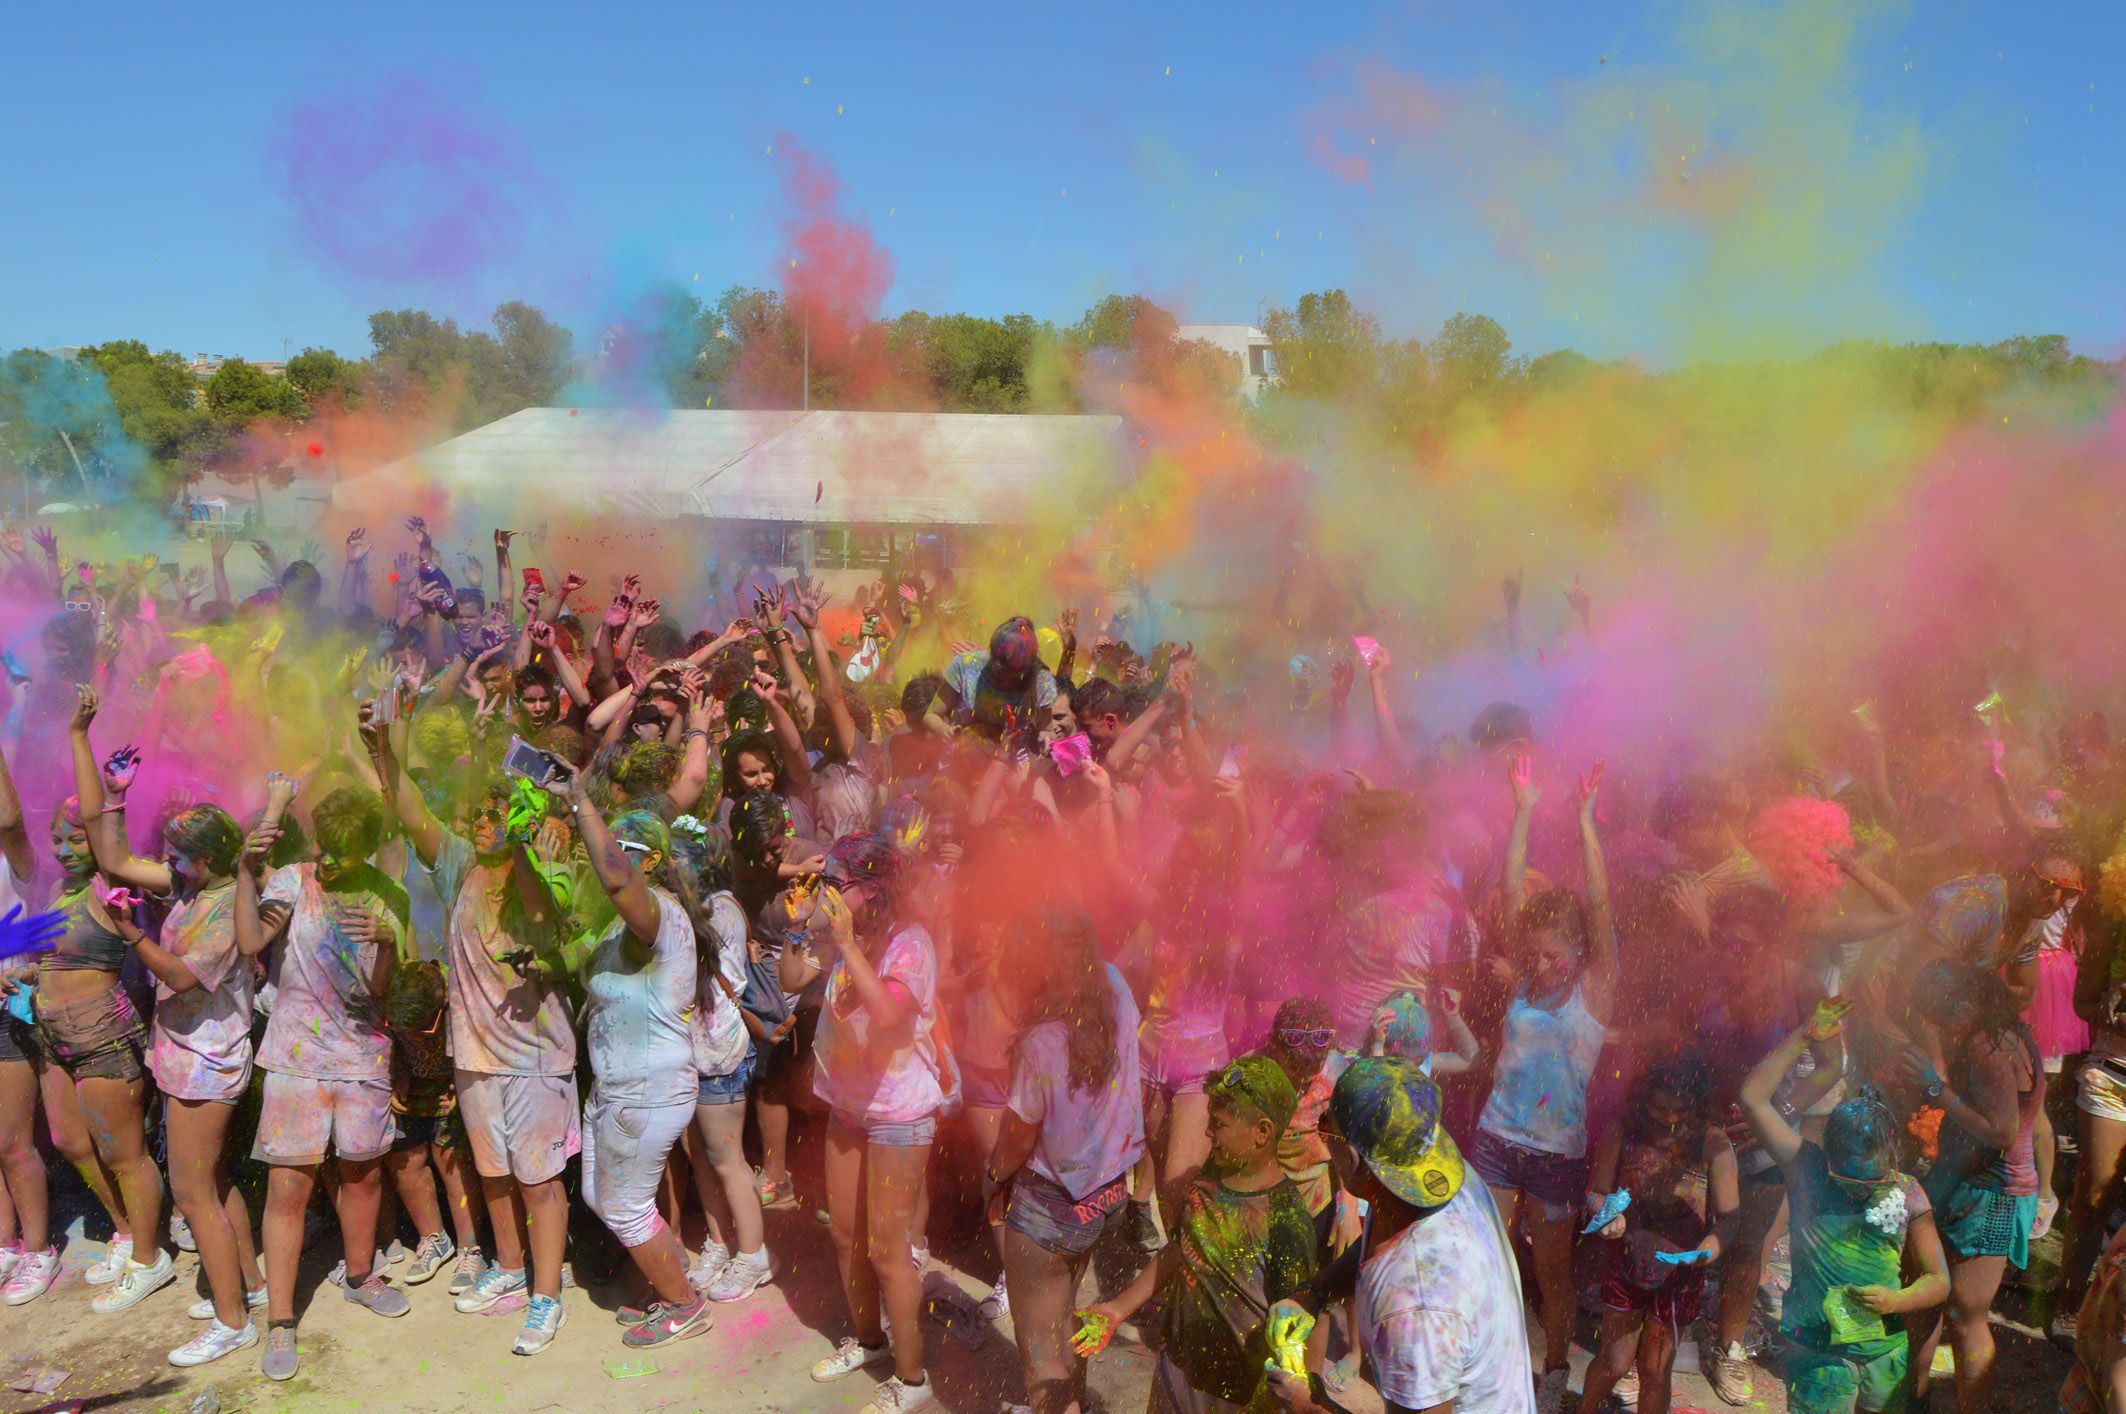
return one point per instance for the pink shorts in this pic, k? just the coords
(521, 1126)
(302, 1120)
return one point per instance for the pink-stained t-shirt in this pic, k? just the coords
(501, 1022)
(199, 1045)
(890, 1077)
(326, 1023)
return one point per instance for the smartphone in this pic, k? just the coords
(534, 579)
(1071, 753)
(1368, 648)
(1229, 768)
(524, 759)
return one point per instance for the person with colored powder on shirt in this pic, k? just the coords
(512, 1040)
(1436, 1287)
(1242, 1242)
(326, 1053)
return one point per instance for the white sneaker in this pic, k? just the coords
(136, 1285)
(212, 1343)
(428, 1259)
(10, 1258)
(33, 1277)
(1626, 1390)
(893, 1397)
(920, 1256)
(544, 1316)
(849, 1357)
(112, 1266)
(181, 1233)
(203, 1309)
(741, 1277)
(395, 1253)
(338, 1275)
(709, 1265)
(996, 1303)
(491, 1286)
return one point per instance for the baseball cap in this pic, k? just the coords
(1389, 1112)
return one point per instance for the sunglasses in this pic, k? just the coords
(1306, 1040)
(634, 847)
(1865, 1185)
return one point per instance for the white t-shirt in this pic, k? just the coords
(890, 1077)
(1439, 1312)
(720, 1035)
(501, 1022)
(638, 1020)
(1087, 1138)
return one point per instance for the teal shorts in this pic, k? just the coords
(1867, 1377)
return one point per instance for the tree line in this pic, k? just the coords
(121, 421)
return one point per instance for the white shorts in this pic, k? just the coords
(2102, 1092)
(302, 1120)
(520, 1126)
(624, 1149)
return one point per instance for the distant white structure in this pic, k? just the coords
(1258, 364)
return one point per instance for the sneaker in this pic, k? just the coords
(1730, 1374)
(279, 1362)
(741, 1277)
(778, 1194)
(33, 1277)
(703, 1271)
(568, 1275)
(996, 1303)
(849, 1357)
(112, 1266)
(10, 1258)
(544, 1316)
(670, 1323)
(138, 1283)
(428, 1259)
(378, 1295)
(1626, 1390)
(203, 1309)
(338, 1275)
(1550, 1391)
(2047, 1210)
(212, 1343)
(491, 1286)
(893, 1397)
(2064, 1330)
(467, 1271)
(920, 1256)
(181, 1233)
(395, 1253)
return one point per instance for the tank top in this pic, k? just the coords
(86, 946)
(1539, 1091)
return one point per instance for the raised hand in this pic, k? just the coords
(11, 541)
(571, 582)
(475, 573)
(1829, 1018)
(765, 686)
(267, 557)
(1581, 600)
(648, 612)
(1341, 675)
(258, 846)
(218, 545)
(1590, 782)
(85, 705)
(617, 612)
(1520, 774)
(502, 539)
(542, 634)
(280, 789)
(805, 604)
(120, 768)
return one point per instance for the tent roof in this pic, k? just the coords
(832, 467)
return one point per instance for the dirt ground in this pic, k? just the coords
(757, 1356)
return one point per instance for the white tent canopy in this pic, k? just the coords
(874, 468)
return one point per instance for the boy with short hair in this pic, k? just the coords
(1243, 1242)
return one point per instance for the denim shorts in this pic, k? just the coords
(892, 1133)
(15, 1041)
(727, 1089)
(1043, 1210)
(1550, 1179)
(99, 1038)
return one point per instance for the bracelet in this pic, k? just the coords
(691, 732)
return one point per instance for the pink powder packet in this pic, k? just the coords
(1368, 648)
(1070, 753)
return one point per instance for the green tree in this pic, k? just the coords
(241, 393)
(1472, 355)
(322, 377)
(1325, 345)
(1130, 323)
(159, 407)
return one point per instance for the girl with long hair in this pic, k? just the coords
(1973, 1058)
(1072, 1130)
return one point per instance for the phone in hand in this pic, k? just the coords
(534, 579)
(1071, 753)
(524, 759)
(1229, 768)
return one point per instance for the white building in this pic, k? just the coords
(1250, 345)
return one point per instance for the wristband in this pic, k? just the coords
(691, 732)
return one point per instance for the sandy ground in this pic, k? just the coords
(757, 1357)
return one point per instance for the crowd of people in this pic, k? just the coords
(1324, 1046)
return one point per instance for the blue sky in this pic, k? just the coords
(1016, 158)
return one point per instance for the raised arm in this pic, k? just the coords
(841, 726)
(1520, 775)
(504, 583)
(1599, 983)
(1779, 1138)
(422, 830)
(1392, 744)
(789, 741)
(622, 881)
(703, 711)
(887, 1002)
(105, 824)
(14, 833)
